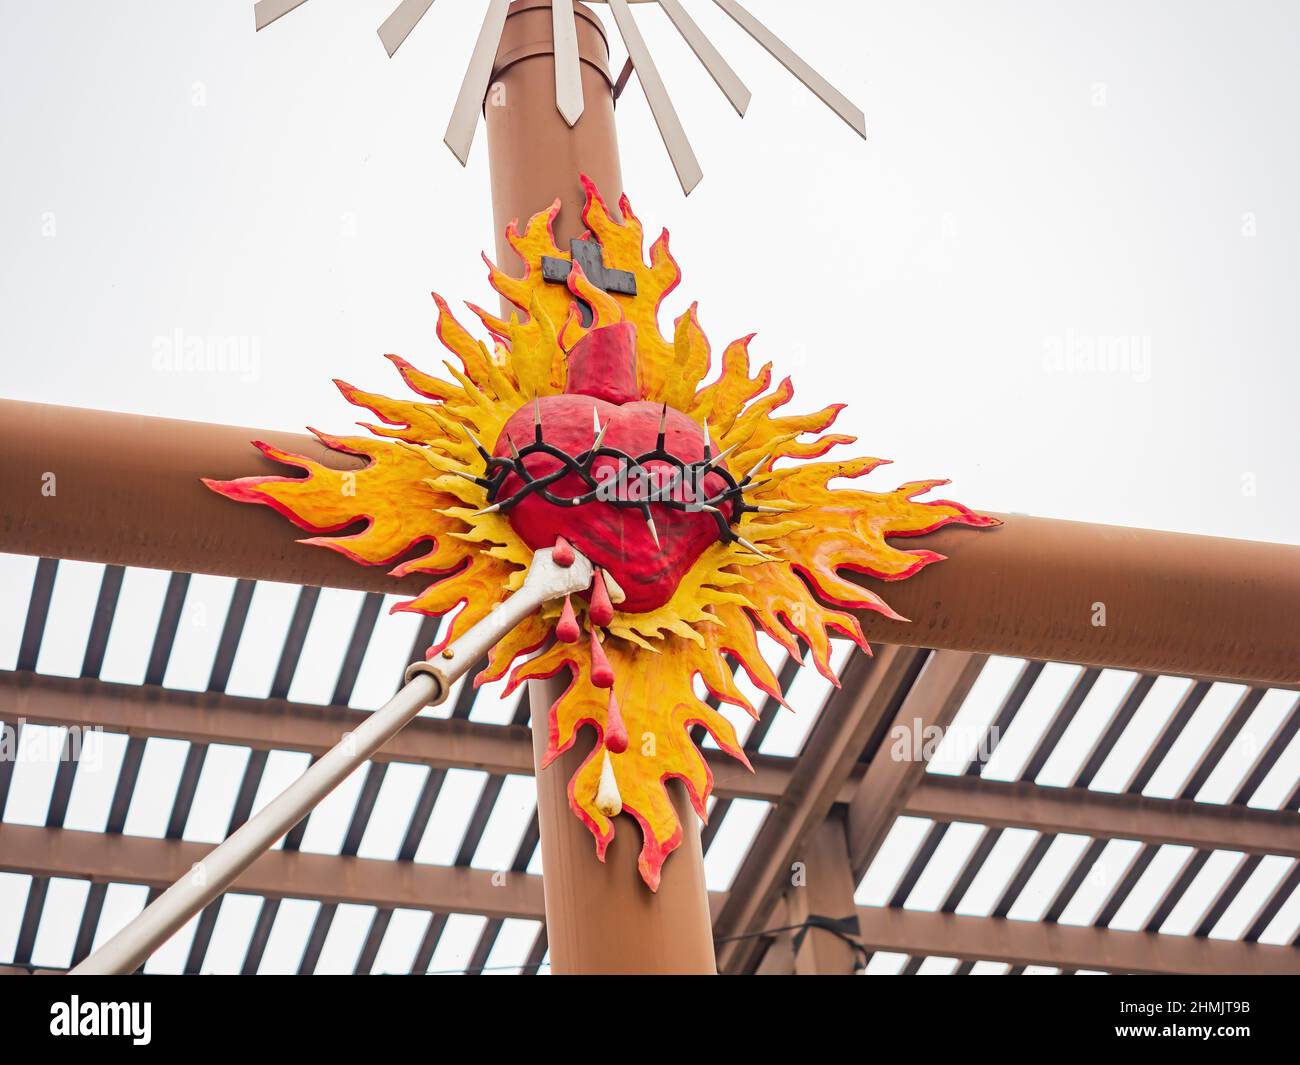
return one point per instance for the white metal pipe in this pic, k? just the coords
(427, 683)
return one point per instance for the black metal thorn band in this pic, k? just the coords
(499, 469)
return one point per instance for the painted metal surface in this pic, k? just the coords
(568, 70)
(687, 167)
(398, 26)
(719, 69)
(523, 448)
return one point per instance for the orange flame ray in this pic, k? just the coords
(659, 709)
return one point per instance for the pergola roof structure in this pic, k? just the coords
(1072, 820)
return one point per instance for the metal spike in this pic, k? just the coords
(750, 547)
(468, 476)
(650, 521)
(663, 425)
(537, 419)
(514, 451)
(755, 468)
(475, 441)
(709, 508)
(757, 509)
(600, 432)
(487, 510)
(717, 459)
(708, 442)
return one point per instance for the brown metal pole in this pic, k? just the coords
(533, 153)
(600, 918)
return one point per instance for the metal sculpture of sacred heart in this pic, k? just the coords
(582, 426)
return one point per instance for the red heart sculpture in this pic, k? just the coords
(602, 381)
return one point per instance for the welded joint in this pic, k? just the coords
(434, 673)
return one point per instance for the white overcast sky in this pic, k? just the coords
(1038, 176)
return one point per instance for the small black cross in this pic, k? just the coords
(591, 257)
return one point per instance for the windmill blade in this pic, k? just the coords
(398, 26)
(267, 11)
(720, 70)
(568, 68)
(824, 90)
(464, 116)
(670, 126)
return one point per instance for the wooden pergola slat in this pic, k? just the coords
(213, 717)
(883, 794)
(154, 862)
(1103, 815)
(61, 852)
(917, 932)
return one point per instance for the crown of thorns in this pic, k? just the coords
(498, 469)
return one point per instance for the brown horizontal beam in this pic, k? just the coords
(159, 863)
(128, 492)
(1173, 603)
(998, 939)
(276, 724)
(1105, 816)
(277, 874)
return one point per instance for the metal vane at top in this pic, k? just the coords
(568, 72)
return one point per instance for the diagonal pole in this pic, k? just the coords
(427, 683)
